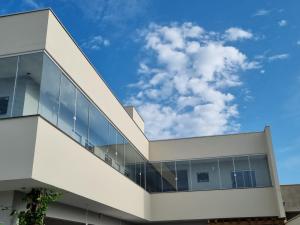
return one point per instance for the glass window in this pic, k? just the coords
(168, 176)
(154, 180)
(140, 171)
(66, 115)
(201, 168)
(259, 166)
(27, 90)
(226, 169)
(120, 157)
(49, 94)
(203, 177)
(183, 172)
(98, 133)
(130, 161)
(242, 178)
(242, 172)
(82, 119)
(4, 105)
(112, 145)
(8, 68)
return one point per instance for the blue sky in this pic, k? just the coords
(196, 67)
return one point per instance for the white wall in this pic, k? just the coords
(211, 146)
(234, 203)
(83, 175)
(69, 213)
(23, 32)
(17, 138)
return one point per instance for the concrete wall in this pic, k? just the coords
(291, 197)
(17, 138)
(23, 32)
(273, 172)
(235, 203)
(211, 146)
(136, 117)
(84, 175)
(69, 213)
(166, 206)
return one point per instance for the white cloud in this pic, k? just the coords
(33, 3)
(235, 33)
(96, 43)
(184, 88)
(278, 57)
(282, 23)
(261, 12)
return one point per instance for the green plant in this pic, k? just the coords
(37, 201)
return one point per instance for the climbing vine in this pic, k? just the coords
(37, 201)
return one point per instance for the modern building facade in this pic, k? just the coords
(61, 127)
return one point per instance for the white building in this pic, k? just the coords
(61, 127)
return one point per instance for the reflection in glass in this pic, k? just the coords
(98, 133)
(130, 162)
(153, 178)
(82, 119)
(120, 154)
(49, 94)
(242, 172)
(111, 151)
(27, 89)
(168, 176)
(261, 177)
(140, 172)
(183, 171)
(66, 113)
(226, 169)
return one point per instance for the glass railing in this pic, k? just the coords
(208, 174)
(33, 84)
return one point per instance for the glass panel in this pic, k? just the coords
(8, 68)
(168, 176)
(261, 175)
(120, 157)
(140, 171)
(143, 174)
(226, 169)
(242, 172)
(49, 94)
(98, 133)
(82, 119)
(130, 162)
(153, 180)
(183, 171)
(28, 82)
(66, 115)
(111, 152)
(205, 174)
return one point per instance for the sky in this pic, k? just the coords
(195, 68)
